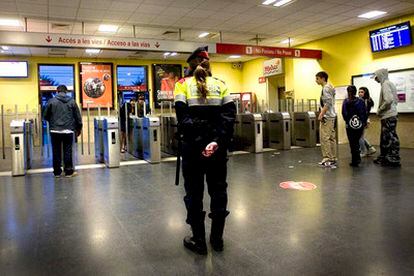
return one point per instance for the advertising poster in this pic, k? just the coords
(96, 84)
(165, 76)
(53, 75)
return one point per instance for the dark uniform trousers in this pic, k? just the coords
(390, 143)
(354, 135)
(214, 169)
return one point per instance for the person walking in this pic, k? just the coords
(365, 146)
(65, 120)
(387, 111)
(327, 118)
(206, 114)
(355, 116)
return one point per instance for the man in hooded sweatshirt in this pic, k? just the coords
(64, 119)
(387, 111)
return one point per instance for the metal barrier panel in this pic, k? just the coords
(279, 130)
(266, 125)
(237, 139)
(111, 142)
(172, 142)
(305, 129)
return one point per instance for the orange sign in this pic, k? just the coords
(96, 85)
(298, 185)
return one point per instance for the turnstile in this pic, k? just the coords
(28, 142)
(111, 142)
(135, 136)
(98, 138)
(278, 130)
(251, 132)
(305, 129)
(169, 128)
(237, 139)
(17, 132)
(151, 139)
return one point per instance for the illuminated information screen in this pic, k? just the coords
(391, 37)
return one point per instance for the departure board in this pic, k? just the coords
(391, 37)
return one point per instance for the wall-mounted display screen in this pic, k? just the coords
(53, 75)
(14, 69)
(391, 37)
(132, 78)
(96, 85)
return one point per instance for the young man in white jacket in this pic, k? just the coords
(387, 111)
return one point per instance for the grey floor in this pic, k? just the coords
(130, 221)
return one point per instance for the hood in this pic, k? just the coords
(381, 74)
(63, 97)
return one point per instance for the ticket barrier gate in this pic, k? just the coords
(135, 136)
(251, 132)
(237, 140)
(151, 139)
(305, 129)
(98, 138)
(111, 142)
(22, 146)
(169, 128)
(277, 130)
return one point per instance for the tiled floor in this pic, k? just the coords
(130, 221)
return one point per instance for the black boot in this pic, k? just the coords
(217, 228)
(197, 243)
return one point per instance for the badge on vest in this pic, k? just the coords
(355, 122)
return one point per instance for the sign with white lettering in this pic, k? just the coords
(272, 67)
(83, 41)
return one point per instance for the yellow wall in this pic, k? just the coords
(252, 70)
(345, 55)
(25, 91)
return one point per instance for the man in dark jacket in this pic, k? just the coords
(64, 119)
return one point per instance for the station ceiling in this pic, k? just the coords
(239, 21)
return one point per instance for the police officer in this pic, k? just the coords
(206, 113)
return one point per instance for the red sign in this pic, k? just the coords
(262, 79)
(96, 85)
(235, 49)
(300, 185)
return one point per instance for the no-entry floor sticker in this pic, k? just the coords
(298, 185)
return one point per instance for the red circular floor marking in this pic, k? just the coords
(298, 185)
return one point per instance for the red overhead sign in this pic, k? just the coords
(236, 49)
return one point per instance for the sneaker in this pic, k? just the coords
(371, 150)
(323, 161)
(71, 175)
(328, 164)
(59, 175)
(363, 155)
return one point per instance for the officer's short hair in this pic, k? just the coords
(62, 88)
(322, 75)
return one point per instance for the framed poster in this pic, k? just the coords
(50, 76)
(164, 78)
(96, 85)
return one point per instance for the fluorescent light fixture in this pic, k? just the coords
(108, 28)
(203, 35)
(286, 41)
(10, 22)
(5, 48)
(173, 54)
(371, 14)
(268, 2)
(93, 51)
(235, 56)
(166, 54)
(282, 3)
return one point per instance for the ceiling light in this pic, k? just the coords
(234, 56)
(268, 2)
(371, 14)
(173, 54)
(282, 3)
(93, 51)
(10, 22)
(203, 35)
(286, 41)
(108, 28)
(166, 54)
(5, 48)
